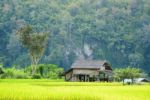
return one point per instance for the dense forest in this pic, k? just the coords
(114, 30)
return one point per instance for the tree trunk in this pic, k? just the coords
(34, 66)
(33, 69)
(35, 61)
(132, 80)
(123, 81)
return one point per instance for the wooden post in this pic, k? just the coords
(85, 78)
(88, 78)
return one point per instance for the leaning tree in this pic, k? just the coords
(34, 42)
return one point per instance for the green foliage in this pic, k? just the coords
(115, 30)
(34, 42)
(1, 70)
(127, 73)
(24, 36)
(50, 71)
(14, 73)
(36, 76)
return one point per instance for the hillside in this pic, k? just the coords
(113, 30)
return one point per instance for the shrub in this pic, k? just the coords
(48, 71)
(14, 73)
(36, 76)
(43, 71)
(20, 74)
(8, 73)
(1, 70)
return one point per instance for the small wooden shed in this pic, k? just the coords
(89, 70)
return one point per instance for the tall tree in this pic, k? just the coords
(34, 42)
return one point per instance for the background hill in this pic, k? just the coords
(115, 30)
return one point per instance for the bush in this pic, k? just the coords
(36, 76)
(47, 71)
(3, 76)
(43, 71)
(14, 73)
(53, 75)
(8, 73)
(20, 74)
(1, 70)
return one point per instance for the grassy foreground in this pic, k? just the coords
(57, 90)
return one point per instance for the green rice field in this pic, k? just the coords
(29, 89)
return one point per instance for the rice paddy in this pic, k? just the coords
(29, 89)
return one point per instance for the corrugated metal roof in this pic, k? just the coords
(88, 64)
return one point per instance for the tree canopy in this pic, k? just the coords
(115, 30)
(127, 73)
(34, 42)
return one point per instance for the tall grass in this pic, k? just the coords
(58, 90)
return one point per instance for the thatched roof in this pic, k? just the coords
(93, 64)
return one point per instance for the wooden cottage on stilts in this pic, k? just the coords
(89, 70)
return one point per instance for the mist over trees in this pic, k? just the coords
(115, 30)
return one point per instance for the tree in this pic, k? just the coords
(48, 71)
(34, 42)
(1, 70)
(116, 31)
(129, 72)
